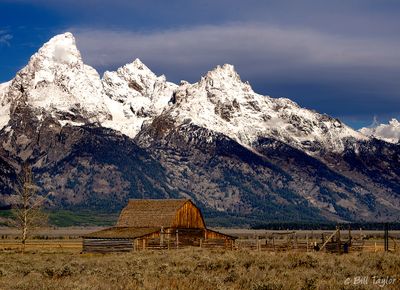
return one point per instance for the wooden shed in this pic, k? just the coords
(157, 224)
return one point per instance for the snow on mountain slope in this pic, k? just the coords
(140, 94)
(4, 105)
(57, 80)
(221, 102)
(387, 132)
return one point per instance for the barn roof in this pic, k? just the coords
(150, 212)
(121, 233)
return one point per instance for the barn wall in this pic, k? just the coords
(190, 237)
(106, 246)
(186, 237)
(189, 216)
(209, 234)
(169, 238)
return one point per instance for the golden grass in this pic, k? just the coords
(192, 268)
(56, 244)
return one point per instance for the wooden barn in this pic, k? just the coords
(156, 224)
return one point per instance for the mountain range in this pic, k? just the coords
(94, 142)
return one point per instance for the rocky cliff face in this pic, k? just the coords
(94, 143)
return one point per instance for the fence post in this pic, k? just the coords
(162, 237)
(350, 237)
(386, 237)
(287, 241)
(273, 242)
(257, 244)
(177, 239)
(169, 237)
(312, 236)
(338, 240)
(307, 241)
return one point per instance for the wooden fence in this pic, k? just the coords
(327, 242)
(171, 244)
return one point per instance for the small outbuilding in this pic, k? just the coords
(157, 224)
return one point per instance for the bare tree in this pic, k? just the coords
(27, 205)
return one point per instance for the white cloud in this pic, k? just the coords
(388, 132)
(254, 48)
(5, 38)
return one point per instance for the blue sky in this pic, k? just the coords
(337, 57)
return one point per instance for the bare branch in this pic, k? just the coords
(27, 204)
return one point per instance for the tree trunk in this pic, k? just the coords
(24, 230)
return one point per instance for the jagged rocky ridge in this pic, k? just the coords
(95, 142)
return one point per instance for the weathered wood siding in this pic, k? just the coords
(188, 216)
(171, 238)
(168, 238)
(190, 237)
(210, 234)
(106, 246)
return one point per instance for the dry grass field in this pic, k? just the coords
(53, 260)
(55, 267)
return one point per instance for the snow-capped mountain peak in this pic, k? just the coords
(226, 73)
(60, 49)
(224, 78)
(221, 102)
(57, 81)
(140, 96)
(136, 66)
(4, 104)
(216, 140)
(133, 80)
